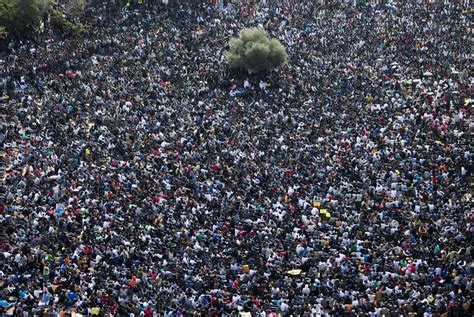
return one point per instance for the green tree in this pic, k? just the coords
(61, 23)
(27, 15)
(3, 33)
(19, 17)
(74, 7)
(6, 14)
(255, 51)
(45, 4)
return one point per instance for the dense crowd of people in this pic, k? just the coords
(143, 177)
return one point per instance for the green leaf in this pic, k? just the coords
(255, 51)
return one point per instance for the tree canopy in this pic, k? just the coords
(255, 51)
(19, 16)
